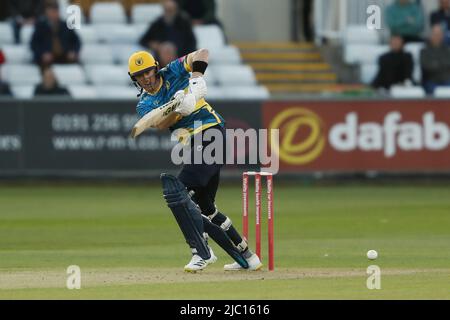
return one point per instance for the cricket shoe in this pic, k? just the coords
(254, 264)
(197, 263)
(213, 256)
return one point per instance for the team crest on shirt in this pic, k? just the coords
(167, 85)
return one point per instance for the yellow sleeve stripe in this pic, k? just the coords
(211, 110)
(186, 64)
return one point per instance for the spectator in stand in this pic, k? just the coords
(24, 12)
(167, 52)
(435, 61)
(200, 11)
(52, 40)
(394, 67)
(4, 87)
(49, 85)
(173, 27)
(406, 18)
(442, 17)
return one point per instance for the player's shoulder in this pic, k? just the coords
(145, 103)
(176, 66)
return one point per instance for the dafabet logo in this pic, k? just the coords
(302, 135)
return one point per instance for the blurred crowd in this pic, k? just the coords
(406, 22)
(52, 42)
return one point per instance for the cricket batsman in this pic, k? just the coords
(174, 98)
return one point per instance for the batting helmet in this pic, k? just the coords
(141, 62)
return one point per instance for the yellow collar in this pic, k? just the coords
(159, 87)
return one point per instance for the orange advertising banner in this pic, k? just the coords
(351, 136)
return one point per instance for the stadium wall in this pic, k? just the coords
(253, 20)
(67, 138)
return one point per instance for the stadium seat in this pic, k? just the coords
(415, 49)
(96, 54)
(210, 78)
(368, 73)
(116, 92)
(141, 28)
(117, 33)
(88, 34)
(17, 54)
(215, 93)
(69, 74)
(442, 92)
(234, 75)
(363, 53)
(82, 91)
(26, 33)
(145, 13)
(209, 36)
(246, 92)
(23, 91)
(6, 33)
(226, 55)
(107, 74)
(401, 92)
(21, 74)
(107, 12)
(121, 52)
(360, 34)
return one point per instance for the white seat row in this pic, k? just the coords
(403, 92)
(115, 53)
(364, 53)
(109, 25)
(110, 74)
(214, 93)
(366, 56)
(360, 34)
(115, 92)
(209, 36)
(7, 34)
(361, 47)
(113, 12)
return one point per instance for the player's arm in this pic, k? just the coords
(159, 118)
(167, 121)
(197, 62)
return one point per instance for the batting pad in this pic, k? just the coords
(222, 239)
(186, 213)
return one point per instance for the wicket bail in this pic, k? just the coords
(269, 178)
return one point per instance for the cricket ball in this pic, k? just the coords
(372, 254)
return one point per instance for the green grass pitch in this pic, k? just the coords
(128, 245)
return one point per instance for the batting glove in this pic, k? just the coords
(187, 105)
(197, 86)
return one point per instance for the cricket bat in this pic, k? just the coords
(155, 117)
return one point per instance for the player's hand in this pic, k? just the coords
(187, 105)
(179, 95)
(197, 86)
